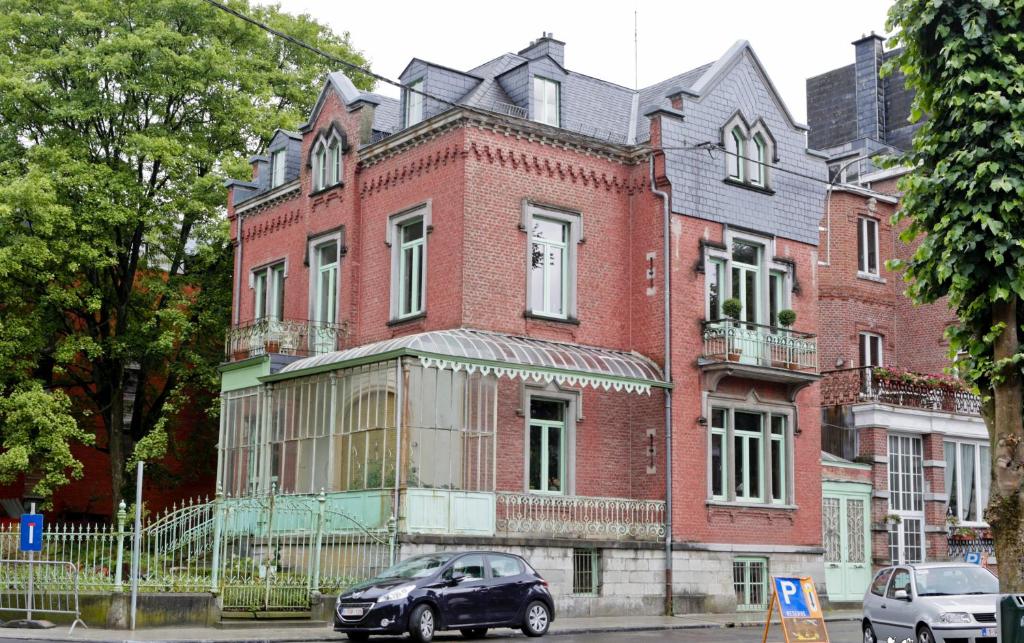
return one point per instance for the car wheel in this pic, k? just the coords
(869, 633)
(924, 635)
(537, 619)
(474, 633)
(422, 624)
(358, 637)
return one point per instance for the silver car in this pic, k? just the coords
(932, 603)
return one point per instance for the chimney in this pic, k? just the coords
(260, 171)
(870, 96)
(546, 45)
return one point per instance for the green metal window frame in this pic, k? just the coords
(586, 571)
(738, 285)
(760, 172)
(747, 585)
(545, 307)
(716, 267)
(268, 291)
(747, 439)
(778, 441)
(736, 166)
(723, 433)
(776, 295)
(545, 427)
(736, 451)
(411, 251)
(543, 101)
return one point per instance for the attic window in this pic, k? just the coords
(327, 163)
(278, 165)
(545, 101)
(414, 103)
(758, 173)
(736, 153)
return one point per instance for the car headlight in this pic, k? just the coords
(396, 594)
(337, 601)
(954, 617)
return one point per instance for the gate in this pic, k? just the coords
(276, 552)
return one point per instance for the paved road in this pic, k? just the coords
(839, 632)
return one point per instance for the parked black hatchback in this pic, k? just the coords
(466, 591)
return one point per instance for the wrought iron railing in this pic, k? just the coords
(284, 336)
(579, 517)
(957, 546)
(871, 384)
(509, 109)
(760, 345)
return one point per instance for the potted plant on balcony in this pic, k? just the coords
(732, 308)
(784, 350)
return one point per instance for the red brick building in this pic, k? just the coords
(451, 313)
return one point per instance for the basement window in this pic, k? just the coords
(750, 582)
(586, 564)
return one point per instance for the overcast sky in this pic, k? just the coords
(795, 39)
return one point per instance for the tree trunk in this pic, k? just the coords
(1005, 511)
(115, 442)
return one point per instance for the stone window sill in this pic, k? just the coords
(722, 504)
(529, 314)
(867, 276)
(406, 320)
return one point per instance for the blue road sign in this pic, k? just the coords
(973, 557)
(31, 532)
(791, 598)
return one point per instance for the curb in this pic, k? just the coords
(316, 636)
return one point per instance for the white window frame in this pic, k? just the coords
(570, 401)
(393, 238)
(714, 256)
(906, 488)
(983, 482)
(864, 349)
(414, 111)
(759, 174)
(573, 237)
(272, 300)
(278, 166)
(327, 162)
(736, 154)
(314, 245)
(765, 440)
(867, 236)
(543, 111)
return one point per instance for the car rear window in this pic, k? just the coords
(878, 586)
(504, 566)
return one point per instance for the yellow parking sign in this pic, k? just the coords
(796, 601)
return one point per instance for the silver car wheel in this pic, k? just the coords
(924, 635)
(869, 634)
(538, 618)
(427, 624)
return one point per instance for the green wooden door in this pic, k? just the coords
(845, 524)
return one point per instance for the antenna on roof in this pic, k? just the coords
(636, 46)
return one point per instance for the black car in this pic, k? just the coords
(465, 591)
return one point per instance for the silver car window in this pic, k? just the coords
(878, 586)
(900, 580)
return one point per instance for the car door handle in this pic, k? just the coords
(883, 606)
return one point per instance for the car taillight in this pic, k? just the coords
(543, 582)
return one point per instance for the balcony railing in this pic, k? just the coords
(579, 517)
(285, 337)
(510, 110)
(760, 345)
(872, 384)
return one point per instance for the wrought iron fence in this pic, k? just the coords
(760, 345)
(260, 553)
(579, 517)
(869, 384)
(284, 336)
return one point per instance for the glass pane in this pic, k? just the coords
(778, 474)
(412, 231)
(718, 418)
(472, 567)
(554, 279)
(535, 457)
(970, 488)
(754, 468)
(536, 277)
(830, 529)
(739, 581)
(744, 252)
(984, 477)
(714, 291)
(952, 500)
(717, 463)
(551, 100)
(548, 230)
(551, 410)
(743, 421)
(260, 291)
(278, 291)
(876, 350)
(872, 230)
(750, 306)
(855, 531)
(862, 355)
(328, 254)
(779, 425)
(738, 468)
(774, 296)
(861, 226)
(408, 266)
(554, 459)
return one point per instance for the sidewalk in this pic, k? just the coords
(321, 632)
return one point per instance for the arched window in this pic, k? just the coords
(736, 151)
(327, 162)
(759, 171)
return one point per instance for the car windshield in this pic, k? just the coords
(416, 567)
(949, 581)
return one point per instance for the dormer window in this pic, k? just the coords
(327, 163)
(278, 166)
(758, 171)
(545, 101)
(414, 103)
(736, 153)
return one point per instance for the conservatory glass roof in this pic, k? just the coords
(499, 354)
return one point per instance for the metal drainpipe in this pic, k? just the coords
(666, 267)
(238, 270)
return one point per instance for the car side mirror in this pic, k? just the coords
(456, 578)
(901, 595)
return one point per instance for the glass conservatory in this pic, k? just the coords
(407, 429)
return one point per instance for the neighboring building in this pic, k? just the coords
(886, 400)
(450, 314)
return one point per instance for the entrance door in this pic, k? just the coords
(845, 536)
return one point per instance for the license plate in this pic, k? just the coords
(989, 631)
(351, 611)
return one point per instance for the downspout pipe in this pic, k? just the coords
(667, 296)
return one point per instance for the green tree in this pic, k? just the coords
(119, 122)
(964, 201)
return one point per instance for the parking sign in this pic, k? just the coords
(31, 532)
(799, 610)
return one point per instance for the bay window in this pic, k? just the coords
(968, 474)
(748, 456)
